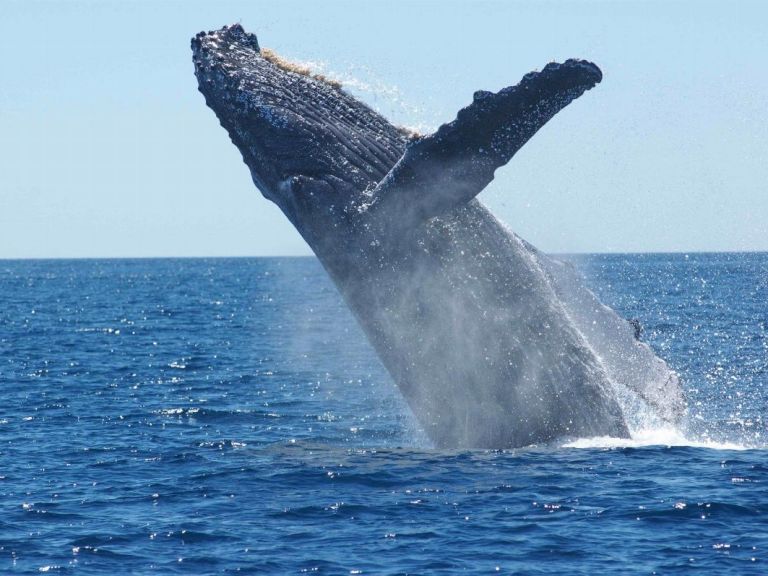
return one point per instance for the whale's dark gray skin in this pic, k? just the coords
(493, 344)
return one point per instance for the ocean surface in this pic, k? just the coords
(211, 416)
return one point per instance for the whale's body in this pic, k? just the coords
(492, 343)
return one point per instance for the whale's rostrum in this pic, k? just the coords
(492, 343)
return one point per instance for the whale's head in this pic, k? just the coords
(302, 137)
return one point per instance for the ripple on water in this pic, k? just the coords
(239, 421)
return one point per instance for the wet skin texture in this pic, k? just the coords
(493, 344)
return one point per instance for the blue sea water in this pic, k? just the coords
(210, 416)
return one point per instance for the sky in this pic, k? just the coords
(108, 150)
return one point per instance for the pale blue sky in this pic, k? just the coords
(107, 148)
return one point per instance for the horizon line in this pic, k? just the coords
(297, 256)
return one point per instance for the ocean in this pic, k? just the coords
(216, 416)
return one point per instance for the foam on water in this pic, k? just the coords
(384, 97)
(662, 436)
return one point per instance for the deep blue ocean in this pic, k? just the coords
(210, 416)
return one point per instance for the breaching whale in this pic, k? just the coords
(492, 343)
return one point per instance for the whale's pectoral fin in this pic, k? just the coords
(454, 164)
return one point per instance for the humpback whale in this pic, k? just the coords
(492, 343)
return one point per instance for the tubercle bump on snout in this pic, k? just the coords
(231, 46)
(227, 35)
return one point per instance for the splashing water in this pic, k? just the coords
(386, 98)
(661, 436)
(692, 320)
